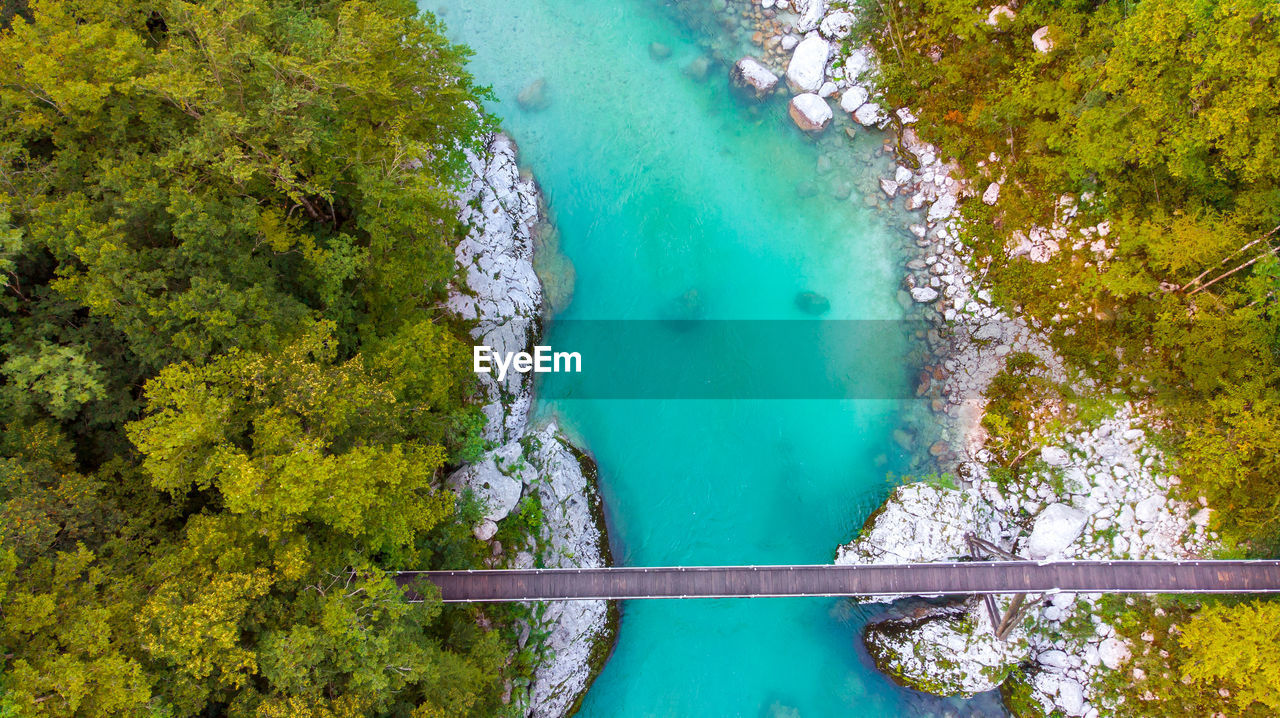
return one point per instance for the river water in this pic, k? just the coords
(671, 195)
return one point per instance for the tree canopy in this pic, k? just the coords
(1159, 120)
(225, 228)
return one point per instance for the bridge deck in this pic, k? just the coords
(976, 577)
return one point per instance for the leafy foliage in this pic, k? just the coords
(1158, 122)
(224, 230)
(1238, 647)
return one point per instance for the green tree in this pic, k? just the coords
(1237, 647)
(248, 208)
(290, 438)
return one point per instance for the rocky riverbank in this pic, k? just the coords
(535, 478)
(1096, 487)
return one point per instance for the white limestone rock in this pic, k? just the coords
(502, 291)
(1054, 456)
(503, 295)
(870, 114)
(1053, 659)
(857, 64)
(1113, 653)
(485, 530)
(810, 112)
(1056, 528)
(751, 73)
(838, 25)
(921, 522)
(853, 98)
(942, 209)
(1000, 15)
(571, 539)
(1070, 697)
(1148, 508)
(1041, 41)
(497, 480)
(950, 651)
(810, 12)
(1037, 245)
(992, 194)
(808, 67)
(924, 295)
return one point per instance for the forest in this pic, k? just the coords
(228, 395)
(1159, 120)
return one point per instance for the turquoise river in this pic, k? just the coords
(668, 191)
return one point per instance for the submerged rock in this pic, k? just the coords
(658, 51)
(810, 112)
(533, 98)
(750, 73)
(812, 303)
(685, 308)
(805, 190)
(698, 68)
(554, 268)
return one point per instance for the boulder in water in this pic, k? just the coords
(658, 51)
(853, 98)
(685, 308)
(810, 112)
(698, 68)
(750, 73)
(869, 114)
(533, 98)
(808, 66)
(813, 303)
(924, 295)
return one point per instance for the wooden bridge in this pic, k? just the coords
(958, 578)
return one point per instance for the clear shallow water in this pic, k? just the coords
(671, 196)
